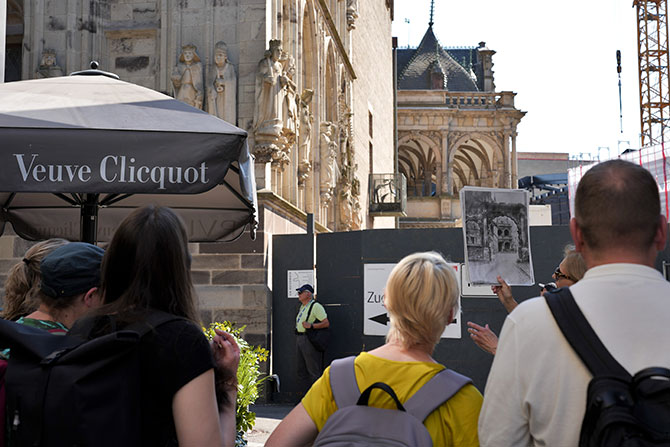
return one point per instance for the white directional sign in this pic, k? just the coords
(375, 317)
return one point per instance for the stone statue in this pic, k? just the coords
(357, 222)
(329, 149)
(305, 134)
(268, 122)
(187, 77)
(48, 67)
(289, 104)
(346, 206)
(352, 13)
(222, 86)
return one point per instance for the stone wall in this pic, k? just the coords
(373, 96)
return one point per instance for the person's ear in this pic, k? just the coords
(661, 236)
(91, 297)
(452, 313)
(577, 235)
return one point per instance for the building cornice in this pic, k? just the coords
(269, 198)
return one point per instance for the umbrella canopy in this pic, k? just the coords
(78, 153)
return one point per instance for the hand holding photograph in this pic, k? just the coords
(496, 235)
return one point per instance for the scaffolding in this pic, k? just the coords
(653, 60)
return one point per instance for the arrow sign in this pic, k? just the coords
(381, 319)
(375, 315)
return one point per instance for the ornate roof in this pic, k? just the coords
(427, 63)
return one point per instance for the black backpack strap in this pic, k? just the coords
(439, 389)
(343, 382)
(309, 311)
(581, 336)
(365, 395)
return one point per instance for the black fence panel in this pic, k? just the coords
(340, 260)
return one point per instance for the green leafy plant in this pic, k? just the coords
(248, 377)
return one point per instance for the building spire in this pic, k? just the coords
(432, 9)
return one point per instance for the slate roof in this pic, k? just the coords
(415, 67)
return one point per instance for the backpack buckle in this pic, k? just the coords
(53, 357)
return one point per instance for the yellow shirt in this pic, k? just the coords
(318, 313)
(454, 423)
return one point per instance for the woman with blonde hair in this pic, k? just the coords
(23, 280)
(421, 297)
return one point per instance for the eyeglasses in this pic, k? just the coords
(559, 274)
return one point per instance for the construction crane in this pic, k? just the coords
(653, 63)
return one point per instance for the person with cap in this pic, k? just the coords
(311, 315)
(23, 280)
(68, 288)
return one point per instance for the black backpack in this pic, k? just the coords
(620, 410)
(319, 338)
(357, 424)
(71, 391)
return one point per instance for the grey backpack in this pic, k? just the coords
(357, 424)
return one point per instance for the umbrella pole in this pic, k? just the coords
(88, 226)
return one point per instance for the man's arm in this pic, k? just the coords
(504, 417)
(321, 325)
(504, 292)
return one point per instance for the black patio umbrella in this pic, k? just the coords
(78, 153)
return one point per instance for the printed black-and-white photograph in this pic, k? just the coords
(496, 235)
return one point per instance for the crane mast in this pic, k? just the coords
(653, 63)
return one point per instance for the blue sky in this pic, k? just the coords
(560, 59)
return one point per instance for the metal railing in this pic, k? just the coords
(388, 194)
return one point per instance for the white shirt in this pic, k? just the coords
(536, 391)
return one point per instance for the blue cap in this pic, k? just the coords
(305, 287)
(71, 269)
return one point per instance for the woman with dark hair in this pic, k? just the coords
(188, 388)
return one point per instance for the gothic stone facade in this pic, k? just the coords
(324, 124)
(454, 129)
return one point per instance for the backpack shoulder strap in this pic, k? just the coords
(343, 382)
(309, 311)
(581, 336)
(439, 389)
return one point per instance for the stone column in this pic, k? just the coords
(515, 175)
(72, 62)
(276, 178)
(508, 160)
(263, 175)
(164, 41)
(447, 172)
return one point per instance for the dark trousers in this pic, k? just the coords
(309, 362)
